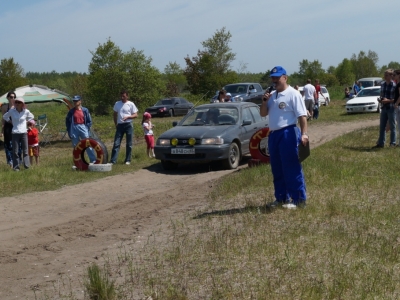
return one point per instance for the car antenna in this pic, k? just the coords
(198, 101)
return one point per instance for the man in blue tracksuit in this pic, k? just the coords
(78, 122)
(285, 108)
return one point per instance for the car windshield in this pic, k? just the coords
(236, 88)
(211, 116)
(368, 83)
(164, 102)
(369, 93)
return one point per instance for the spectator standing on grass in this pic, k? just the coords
(78, 123)
(19, 116)
(124, 112)
(309, 95)
(285, 108)
(148, 134)
(33, 142)
(397, 97)
(387, 100)
(7, 126)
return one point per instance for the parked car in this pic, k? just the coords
(243, 92)
(365, 101)
(211, 132)
(170, 107)
(368, 82)
(321, 100)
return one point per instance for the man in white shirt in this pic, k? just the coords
(285, 108)
(309, 95)
(124, 112)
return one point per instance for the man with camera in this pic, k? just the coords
(285, 107)
(387, 110)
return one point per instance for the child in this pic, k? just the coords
(148, 134)
(33, 142)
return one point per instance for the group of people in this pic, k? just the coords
(390, 107)
(223, 96)
(310, 94)
(79, 122)
(21, 138)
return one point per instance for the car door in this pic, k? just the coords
(260, 93)
(246, 130)
(186, 106)
(178, 109)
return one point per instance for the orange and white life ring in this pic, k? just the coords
(255, 148)
(79, 151)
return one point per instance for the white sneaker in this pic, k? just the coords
(128, 163)
(289, 206)
(74, 167)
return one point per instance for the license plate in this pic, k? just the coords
(182, 151)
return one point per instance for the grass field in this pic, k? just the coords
(344, 245)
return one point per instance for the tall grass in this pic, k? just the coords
(344, 245)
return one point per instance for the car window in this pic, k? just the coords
(369, 93)
(367, 83)
(323, 89)
(183, 101)
(246, 114)
(256, 113)
(211, 116)
(258, 88)
(236, 88)
(164, 102)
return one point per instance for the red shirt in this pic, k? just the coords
(33, 136)
(78, 117)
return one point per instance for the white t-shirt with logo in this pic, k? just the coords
(124, 110)
(284, 108)
(309, 91)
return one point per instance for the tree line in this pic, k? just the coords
(111, 70)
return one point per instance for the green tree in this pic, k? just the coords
(392, 65)
(365, 64)
(112, 70)
(11, 75)
(310, 70)
(176, 80)
(344, 72)
(331, 70)
(210, 69)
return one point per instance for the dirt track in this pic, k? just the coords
(51, 234)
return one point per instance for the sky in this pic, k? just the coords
(59, 35)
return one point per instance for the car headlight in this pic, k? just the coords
(212, 141)
(238, 99)
(174, 142)
(192, 141)
(164, 142)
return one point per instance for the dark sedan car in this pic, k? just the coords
(243, 92)
(170, 107)
(211, 132)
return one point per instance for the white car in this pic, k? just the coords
(365, 101)
(321, 99)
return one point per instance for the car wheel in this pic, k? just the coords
(171, 112)
(232, 162)
(169, 165)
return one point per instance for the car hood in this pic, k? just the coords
(361, 100)
(198, 132)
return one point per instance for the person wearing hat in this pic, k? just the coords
(19, 115)
(285, 108)
(148, 134)
(33, 142)
(78, 123)
(228, 97)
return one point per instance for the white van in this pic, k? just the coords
(370, 81)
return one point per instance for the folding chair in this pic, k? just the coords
(45, 135)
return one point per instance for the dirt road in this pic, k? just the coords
(51, 235)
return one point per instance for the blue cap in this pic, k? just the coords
(76, 98)
(277, 71)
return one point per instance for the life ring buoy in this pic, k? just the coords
(79, 152)
(257, 153)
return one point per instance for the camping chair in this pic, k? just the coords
(45, 136)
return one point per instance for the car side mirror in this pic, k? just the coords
(174, 123)
(246, 122)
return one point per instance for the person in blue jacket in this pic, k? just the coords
(78, 123)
